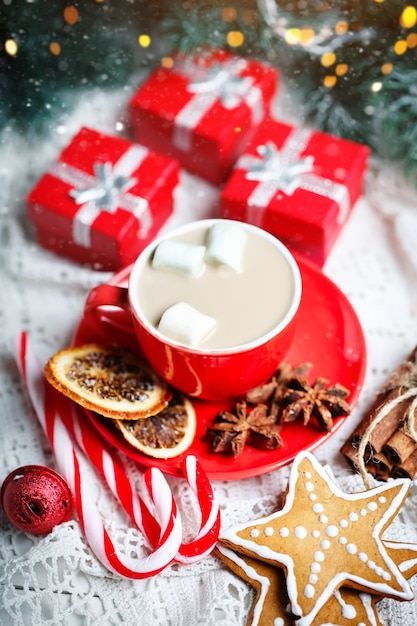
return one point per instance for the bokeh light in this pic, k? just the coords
(341, 28)
(71, 15)
(55, 48)
(412, 40)
(341, 69)
(144, 41)
(229, 14)
(11, 47)
(400, 46)
(328, 59)
(235, 38)
(408, 17)
(329, 81)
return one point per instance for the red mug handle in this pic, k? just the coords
(109, 304)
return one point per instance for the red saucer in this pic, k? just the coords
(329, 336)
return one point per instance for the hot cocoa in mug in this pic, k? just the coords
(213, 305)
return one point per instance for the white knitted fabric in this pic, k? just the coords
(56, 579)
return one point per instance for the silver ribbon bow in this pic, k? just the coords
(228, 88)
(218, 83)
(106, 191)
(285, 170)
(285, 174)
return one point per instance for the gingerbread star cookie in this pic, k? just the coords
(271, 597)
(345, 607)
(324, 539)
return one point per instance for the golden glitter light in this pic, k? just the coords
(167, 62)
(408, 17)
(329, 81)
(235, 38)
(400, 46)
(11, 47)
(71, 15)
(306, 35)
(341, 28)
(293, 36)
(328, 59)
(144, 41)
(412, 40)
(387, 68)
(341, 69)
(229, 14)
(55, 48)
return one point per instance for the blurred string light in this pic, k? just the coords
(11, 47)
(71, 15)
(408, 17)
(234, 38)
(326, 43)
(144, 41)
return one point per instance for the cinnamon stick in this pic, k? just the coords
(399, 447)
(380, 466)
(407, 469)
(380, 434)
(383, 444)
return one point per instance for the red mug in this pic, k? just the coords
(199, 371)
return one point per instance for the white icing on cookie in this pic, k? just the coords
(332, 530)
(348, 611)
(252, 575)
(362, 525)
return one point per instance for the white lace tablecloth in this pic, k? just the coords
(56, 579)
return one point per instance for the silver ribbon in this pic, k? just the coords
(105, 191)
(220, 82)
(285, 170)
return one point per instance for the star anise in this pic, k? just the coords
(232, 431)
(275, 388)
(302, 400)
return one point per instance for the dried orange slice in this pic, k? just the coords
(111, 381)
(165, 435)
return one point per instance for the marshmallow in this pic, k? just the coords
(186, 324)
(225, 245)
(179, 256)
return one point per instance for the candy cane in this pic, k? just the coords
(208, 534)
(85, 435)
(96, 450)
(69, 461)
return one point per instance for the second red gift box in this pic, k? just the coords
(103, 200)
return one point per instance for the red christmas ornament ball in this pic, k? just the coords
(35, 498)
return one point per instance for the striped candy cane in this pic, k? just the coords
(206, 538)
(69, 417)
(70, 460)
(85, 435)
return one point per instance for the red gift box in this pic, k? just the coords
(298, 184)
(103, 200)
(203, 111)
